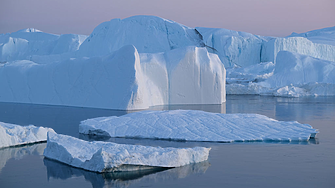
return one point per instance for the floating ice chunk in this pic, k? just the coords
(252, 73)
(198, 126)
(290, 91)
(13, 135)
(107, 156)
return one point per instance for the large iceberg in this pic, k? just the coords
(24, 44)
(13, 135)
(169, 64)
(191, 125)
(107, 156)
(123, 80)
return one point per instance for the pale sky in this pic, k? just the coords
(263, 17)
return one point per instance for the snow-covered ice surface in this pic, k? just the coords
(107, 156)
(13, 135)
(190, 125)
(123, 80)
(150, 34)
(57, 170)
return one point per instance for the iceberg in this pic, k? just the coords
(149, 34)
(322, 36)
(123, 80)
(233, 47)
(24, 44)
(297, 75)
(14, 135)
(294, 68)
(189, 125)
(298, 45)
(168, 63)
(108, 157)
(293, 75)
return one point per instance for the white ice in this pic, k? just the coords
(13, 135)
(197, 126)
(322, 36)
(169, 64)
(123, 80)
(24, 44)
(107, 156)
(293, 75)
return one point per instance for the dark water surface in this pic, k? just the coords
(255, 164)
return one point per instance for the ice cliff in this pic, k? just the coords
(123, 80)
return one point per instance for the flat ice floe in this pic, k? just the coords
(192, 125)
(13, 135)
(107, 156)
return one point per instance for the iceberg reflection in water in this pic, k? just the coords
(62, 171)
(19, 152)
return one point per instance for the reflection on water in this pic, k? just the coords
(64, 120)
(215, 108)
(19, 152)
(122, 179)
(241, 164)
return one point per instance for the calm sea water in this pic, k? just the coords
(300, 164)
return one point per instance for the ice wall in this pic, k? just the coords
(188, 75)
(123, 80)
(298, 45)
(113, 82)
(233, 48)
(297, 69)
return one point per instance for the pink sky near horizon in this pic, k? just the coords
(262, 17)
